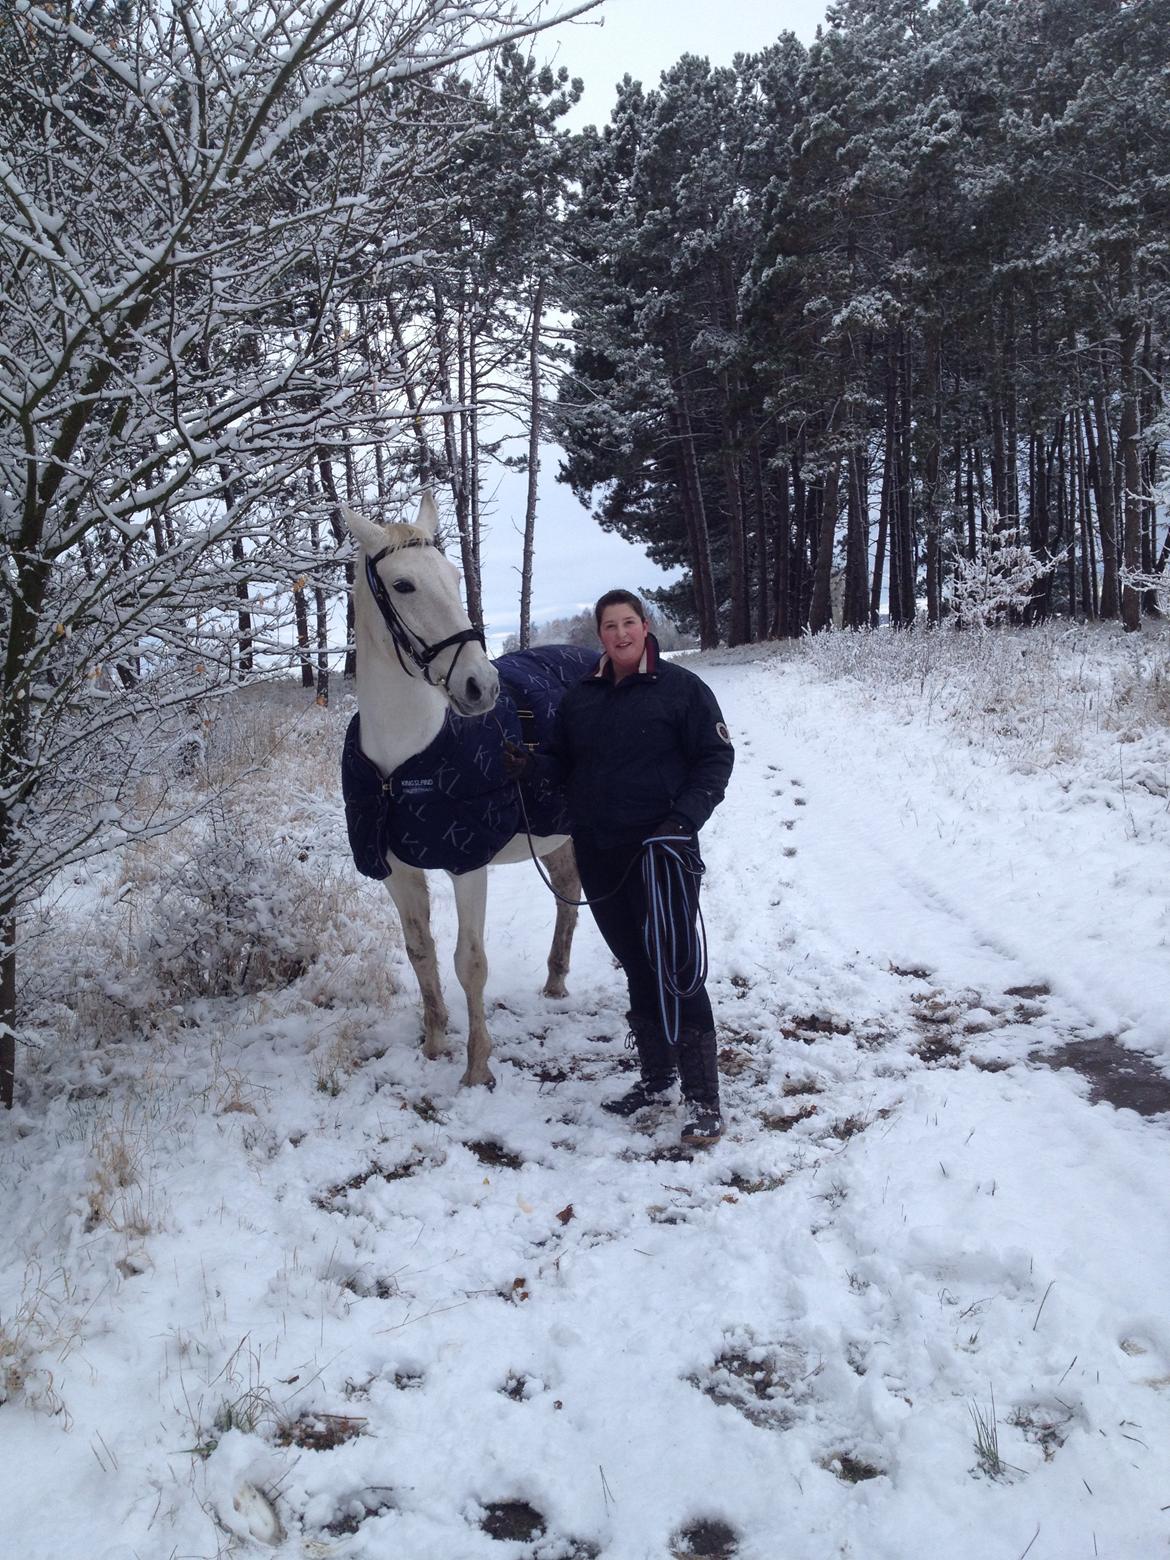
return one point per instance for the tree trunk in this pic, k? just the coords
(798, 556)
(1084, 519)
(245, 664)
(821, 606)
(739, 621)
(1128, 451)
(455, 449)
(1151, 378)
(26, 603)
(413, 399)
(782, 565)
(329, 484)
(884, 505)
(903, 492)
(998, 461)
(895, 592)
(7, 999)
(473, 583)
(301, 617)
(1100, 441)
(701, 571)
(533, 466)
(808, 536)
(353, 499)
(856, 606)
(1011, 414)
(319, 601)
(1066, 535)
(763, 613)
(931, 467)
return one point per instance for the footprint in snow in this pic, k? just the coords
(1152, 1362)
(350, 1511)
(711, 1538)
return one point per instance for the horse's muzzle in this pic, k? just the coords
(476, 693)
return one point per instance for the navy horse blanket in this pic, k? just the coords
(452, 806)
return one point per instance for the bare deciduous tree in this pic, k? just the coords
(195, 201)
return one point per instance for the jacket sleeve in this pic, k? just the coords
(550, 763)
(710, 756)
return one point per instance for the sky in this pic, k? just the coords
(575, 560)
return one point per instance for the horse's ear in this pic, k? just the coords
(428, 514)
(365, 532)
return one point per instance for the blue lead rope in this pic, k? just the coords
(674, 935)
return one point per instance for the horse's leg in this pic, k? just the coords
(471, 968)
(408, 889)
(562, 869)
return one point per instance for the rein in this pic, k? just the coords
(409, 646)
(574, 904)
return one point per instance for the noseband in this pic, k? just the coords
(408, 645)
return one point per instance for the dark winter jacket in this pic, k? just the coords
(633, 753)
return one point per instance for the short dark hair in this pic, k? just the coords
(612, 598)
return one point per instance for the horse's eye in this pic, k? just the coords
(403, 587)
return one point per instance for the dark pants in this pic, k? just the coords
(621, 919)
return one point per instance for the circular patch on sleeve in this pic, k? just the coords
(723, 733)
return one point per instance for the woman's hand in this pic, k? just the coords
(672, 828)
(516, 760)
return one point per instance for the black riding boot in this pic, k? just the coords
(658, 1068)
(699, 1066)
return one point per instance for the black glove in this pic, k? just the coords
(674, 828)
(516, 760)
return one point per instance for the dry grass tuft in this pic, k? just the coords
(38, 1327)
(338, 1058)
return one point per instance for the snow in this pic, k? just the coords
(271, 1283)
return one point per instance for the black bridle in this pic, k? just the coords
(408, 645)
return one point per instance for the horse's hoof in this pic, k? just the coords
(434, 1049)
(555, 988)
(477, 1077)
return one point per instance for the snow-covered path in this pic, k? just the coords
(909, 850)
(413, 1317)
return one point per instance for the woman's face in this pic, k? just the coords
(623, 637)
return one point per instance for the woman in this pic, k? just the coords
(643, 752)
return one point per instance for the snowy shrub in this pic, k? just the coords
(232, 917)
(998, 582)
(257, 892)
(1052, 694)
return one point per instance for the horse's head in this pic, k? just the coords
(415, 589)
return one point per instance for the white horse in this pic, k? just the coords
(417, 654)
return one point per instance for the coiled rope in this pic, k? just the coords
(673, 934)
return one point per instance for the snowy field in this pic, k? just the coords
(271, 1283)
